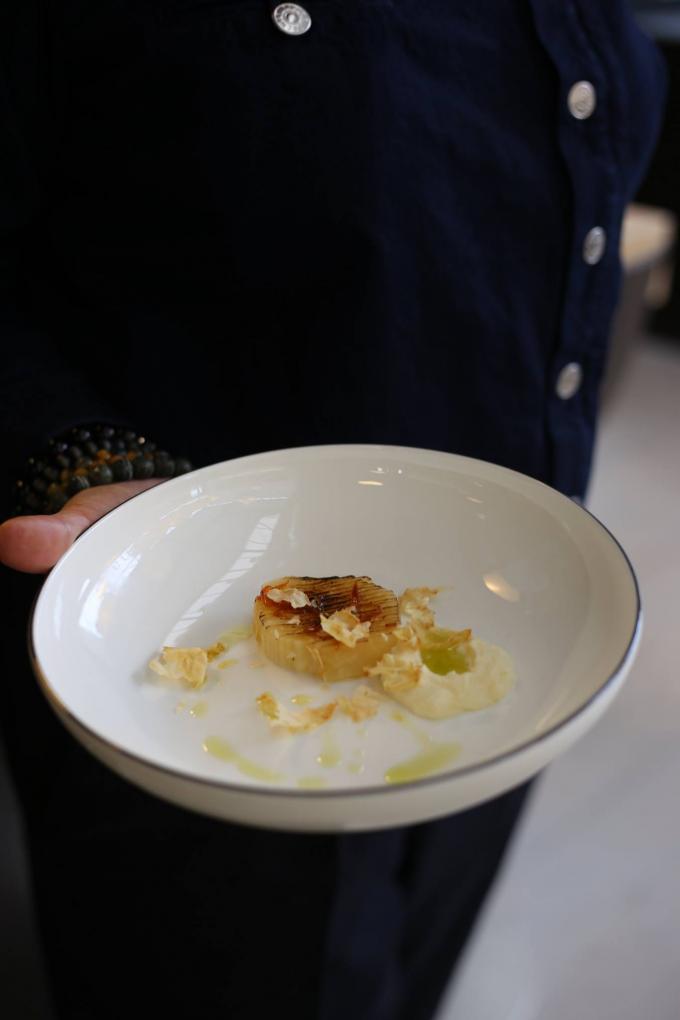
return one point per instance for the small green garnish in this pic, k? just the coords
(447, 651)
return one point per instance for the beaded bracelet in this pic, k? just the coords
(84, 457)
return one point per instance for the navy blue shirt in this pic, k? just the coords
(237, 239)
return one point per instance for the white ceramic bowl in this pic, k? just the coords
(528, 569)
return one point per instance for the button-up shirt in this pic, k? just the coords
(399, 225)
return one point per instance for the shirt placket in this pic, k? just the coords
(586, 111)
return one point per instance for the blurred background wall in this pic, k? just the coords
(650, 297)
(661, 20)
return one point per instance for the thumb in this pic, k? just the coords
(34, 544)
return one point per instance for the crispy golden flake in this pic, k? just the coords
(215, 650)
(187, 665)
(280, 717)
(363, 704)
(345, 627)
(406, 637)
(414, 604)
(296, 598)
(399, 670)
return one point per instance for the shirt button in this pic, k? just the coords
(569, 380)
(292, 19)
(582, 100)
(594, 245)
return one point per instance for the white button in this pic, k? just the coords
(292, 19)
(582, 100)
(569, 380)
(594, 245)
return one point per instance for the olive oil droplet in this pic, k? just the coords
(219, 748)
(330, 755)
(312, 783)
(425, 764)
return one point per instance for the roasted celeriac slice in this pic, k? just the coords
(345, 625)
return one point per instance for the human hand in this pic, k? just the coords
(34, 544)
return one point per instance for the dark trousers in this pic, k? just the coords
(148, 910)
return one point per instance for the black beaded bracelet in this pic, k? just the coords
(83, 457)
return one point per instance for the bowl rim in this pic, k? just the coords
(62, 710)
